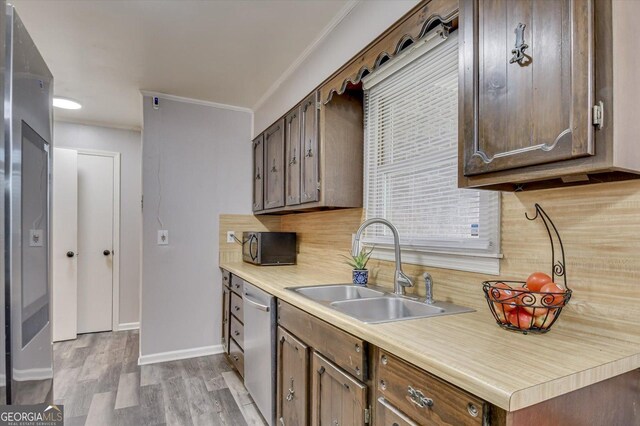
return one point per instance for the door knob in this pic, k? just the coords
(106, 252)
(70, 254)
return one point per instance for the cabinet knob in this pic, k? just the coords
(106, 252)
(236, 333)
(473, 410)
(70, 254)
(236, 308)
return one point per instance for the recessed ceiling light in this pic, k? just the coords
(65, 103)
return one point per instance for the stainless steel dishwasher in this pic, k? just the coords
(260, 349)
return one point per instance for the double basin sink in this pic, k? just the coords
(374, 306)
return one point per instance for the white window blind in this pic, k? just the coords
(411, 161)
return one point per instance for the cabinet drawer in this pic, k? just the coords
(387, 414)
(226, 278)
(237, 356)
(237, 285)
(424, 398)
(236, 307)
(339, 347)
(237, 331)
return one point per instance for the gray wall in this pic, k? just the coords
(196, 164)
(128, 143)
(363, 24)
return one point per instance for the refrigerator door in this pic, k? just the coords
(260, 349)
(27, 170)
(3, 351)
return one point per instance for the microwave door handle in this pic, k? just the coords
(253, 242)
(255, 304)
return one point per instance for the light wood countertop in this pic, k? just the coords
(507, 369)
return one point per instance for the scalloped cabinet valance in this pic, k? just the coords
(410, 28)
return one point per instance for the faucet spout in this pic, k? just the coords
(401, 280)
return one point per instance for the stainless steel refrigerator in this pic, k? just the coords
(27, 369)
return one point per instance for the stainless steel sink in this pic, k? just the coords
(375, 306)
(332, 293)
(394, 308)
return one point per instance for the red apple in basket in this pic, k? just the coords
(500, 313)
(544, 321)
(554, 296)
(521, 319)
(537, 280)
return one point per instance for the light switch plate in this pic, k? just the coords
(163, 237)
(36, 238)
(231, 236)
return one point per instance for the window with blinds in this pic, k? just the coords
(411, 163)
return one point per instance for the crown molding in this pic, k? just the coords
(195, 101)
(339, 17)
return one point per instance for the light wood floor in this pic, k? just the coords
(98, 380)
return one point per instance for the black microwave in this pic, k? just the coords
(269, 248)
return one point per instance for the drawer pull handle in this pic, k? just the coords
(472, 409)
(383, 385)
(358, 349)
(236, 333)
(384, 360)
(235, 358)
(291, 392)
(237, 308)
(418, 398)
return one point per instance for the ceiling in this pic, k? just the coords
(103, 52)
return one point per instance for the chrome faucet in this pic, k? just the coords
(401, 280)
(428, 284)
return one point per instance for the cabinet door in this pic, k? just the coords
(388, 415)
(274, 167)
(293, 380)
(527, 83)
(292, 156)
(337, 399)
(258, 173)
(311, 157)
(226, 305)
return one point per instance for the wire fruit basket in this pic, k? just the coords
(517, 308)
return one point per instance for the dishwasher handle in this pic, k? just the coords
(255, 304)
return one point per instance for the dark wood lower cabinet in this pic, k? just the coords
(337, 398)
(293, 380)
(226, 306)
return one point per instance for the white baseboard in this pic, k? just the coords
(180, 354)
(32, 374)
(128, 326)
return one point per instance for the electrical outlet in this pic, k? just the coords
(231, 236)
(163, 237)
(35, 238)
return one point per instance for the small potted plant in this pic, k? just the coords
(359, 265)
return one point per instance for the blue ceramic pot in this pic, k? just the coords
(360, 277)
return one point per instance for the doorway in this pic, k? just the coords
(86, 242)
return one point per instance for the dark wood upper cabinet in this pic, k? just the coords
(538, 98)
(258, 173)
(530, 69)
(310, 157)
(274, 165)
(322, 154)
(293, 157)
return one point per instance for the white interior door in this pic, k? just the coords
(64, 243)
(95, 242)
